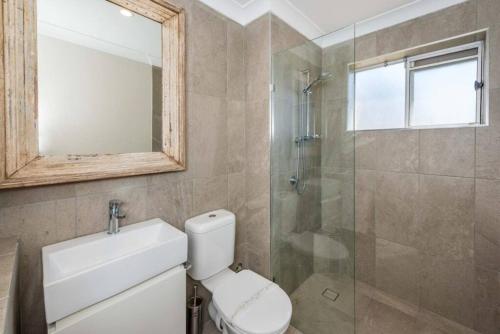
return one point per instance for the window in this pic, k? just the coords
(437, 89)
(380, 97)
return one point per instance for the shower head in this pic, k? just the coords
(322, 77)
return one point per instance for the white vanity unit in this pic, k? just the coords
(131, 282)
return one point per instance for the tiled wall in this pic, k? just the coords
(257, 146)
(427, 201)
(216, 165)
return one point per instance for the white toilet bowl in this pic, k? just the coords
(247, 303)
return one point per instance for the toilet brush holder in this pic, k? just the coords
(195, 314)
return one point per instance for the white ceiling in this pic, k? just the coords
(315, 18)
(331, 15)
(243, 2)
(98, 24)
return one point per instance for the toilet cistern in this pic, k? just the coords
(115, 216)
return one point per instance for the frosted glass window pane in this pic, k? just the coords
(444, 94)
(380, 98)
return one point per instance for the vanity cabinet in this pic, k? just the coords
(156, 306)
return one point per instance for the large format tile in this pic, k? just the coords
(366, 149)
(487, 301)
(15, 197)
(365, 258)
(173, 202)
(397, 151)
(383, 319)
(488, 209)
(206, 51)
(209, 194)
(258, 60)
(447, 287)
(446, 216)
(257, 135)
(488, 142)
(448, 151)
(284, 36)
(364, 201)
(396, 207)
(449, 22)
(207, 141)
(236, 75)
(397, 269)
(236, 139)
(486, 252)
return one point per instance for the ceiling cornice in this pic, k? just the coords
(244, 14)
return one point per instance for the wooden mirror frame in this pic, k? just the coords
(20, 162)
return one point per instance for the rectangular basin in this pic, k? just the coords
(84, 271)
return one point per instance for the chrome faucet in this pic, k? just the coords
(114, 216)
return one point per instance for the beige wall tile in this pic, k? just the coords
(236, 75)
(453, 21)
(237, 194)
(257, 136)
(106, 186)
(488, 142)
(365, 258)
(92, 214)
(236, 139)
(380, 318)
(365, 201)
(37, 194)
(207, 136)
(402, 37)
(366, 149)
(396, 207)
(206, 51)
(487, 301)
(448, 151)
(486, 252)
(366, 46)
(446, 216)
(447, 288)
(209, 194)
(259, 262)
(258, 59)
(397, 269)
(488, 209)
(397, 151)
(173, 202)
(283, 36)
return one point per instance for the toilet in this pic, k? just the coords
(243, 302)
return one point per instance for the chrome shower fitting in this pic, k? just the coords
(304, 131)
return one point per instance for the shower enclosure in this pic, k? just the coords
(312, 183)
(384, 202)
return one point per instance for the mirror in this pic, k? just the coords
(99, 79)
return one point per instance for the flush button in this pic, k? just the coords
(212, 215)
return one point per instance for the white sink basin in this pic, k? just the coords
(81, 272)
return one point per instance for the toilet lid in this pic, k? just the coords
(252, 304)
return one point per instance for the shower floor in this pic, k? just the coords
(376, 312)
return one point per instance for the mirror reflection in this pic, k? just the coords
(99, 79)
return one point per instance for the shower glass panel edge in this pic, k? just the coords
(312, 179)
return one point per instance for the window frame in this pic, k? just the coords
(481, 92)
(480, 113)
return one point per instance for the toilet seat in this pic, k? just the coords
(251, 304)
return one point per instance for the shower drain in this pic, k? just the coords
(330, 294)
